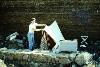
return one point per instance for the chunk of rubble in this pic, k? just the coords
(83, 58)
(89, 65)
(72, 56)
(98, 64)
(3, 49)
(2, 64)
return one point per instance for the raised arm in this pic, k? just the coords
(40, 24)
(38, 29)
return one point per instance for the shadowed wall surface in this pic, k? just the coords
(74, 17)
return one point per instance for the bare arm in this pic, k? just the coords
(38, 29)
(34, 29)
(41, 25)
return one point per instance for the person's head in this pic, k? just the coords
(33, 20)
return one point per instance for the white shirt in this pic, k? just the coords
(32, 27)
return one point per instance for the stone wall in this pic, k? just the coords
(74, 17)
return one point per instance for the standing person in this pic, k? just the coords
(32, 29)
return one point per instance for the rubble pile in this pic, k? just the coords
(46, 58)
(2, 64)
(83, 58)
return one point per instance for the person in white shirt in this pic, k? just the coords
(32, 29)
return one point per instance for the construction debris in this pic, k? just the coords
(53, 31)
(12, 36)
(84, 58)
(2, 64)
(45, 56)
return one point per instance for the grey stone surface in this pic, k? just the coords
(45, 58)
(83, 58)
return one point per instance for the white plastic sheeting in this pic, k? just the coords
(61, 44)
(54, 32)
